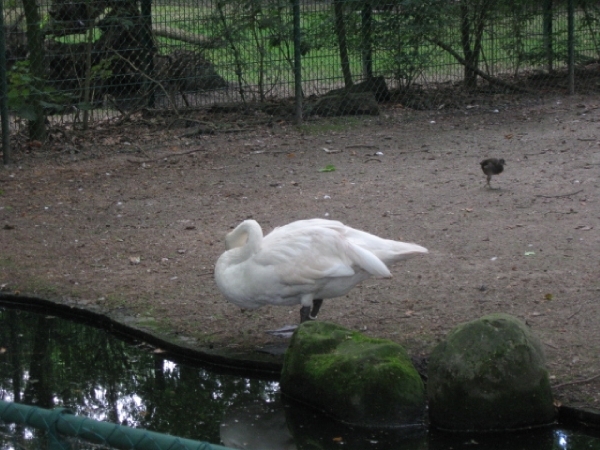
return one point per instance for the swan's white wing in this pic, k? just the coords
(386, 250)
(308, 254)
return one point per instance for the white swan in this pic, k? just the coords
(302, 263)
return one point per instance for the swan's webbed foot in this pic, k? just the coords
(306, 313)
(284, 332)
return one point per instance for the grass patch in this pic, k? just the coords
(7, 262)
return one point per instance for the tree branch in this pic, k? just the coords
(165, 31)
(482, 74)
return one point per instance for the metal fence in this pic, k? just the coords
(82, 60)
(54, 428)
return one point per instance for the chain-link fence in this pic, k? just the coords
(81, 60)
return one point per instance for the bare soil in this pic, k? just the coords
(130, 219)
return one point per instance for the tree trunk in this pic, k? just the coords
(35, 43)
(367, 39)
(340, 31)
(471, 30)
(547, 24)
(470, 77)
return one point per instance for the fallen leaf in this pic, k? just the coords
(328, 168)
(548, 296)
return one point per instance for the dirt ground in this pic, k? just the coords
(131, 220)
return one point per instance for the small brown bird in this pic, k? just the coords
(492, 166)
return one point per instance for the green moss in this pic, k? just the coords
(489, 374)
(353, 377)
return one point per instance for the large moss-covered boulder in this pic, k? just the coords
(353, 378)
(489, 374)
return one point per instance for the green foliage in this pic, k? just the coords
(25, 90)
(404, 31)
(408, 41)
(257, 34)
(78, 38)
(103, 69)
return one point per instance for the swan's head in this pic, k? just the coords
(234, 241)
(240, 235)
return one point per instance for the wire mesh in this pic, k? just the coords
(84, 60)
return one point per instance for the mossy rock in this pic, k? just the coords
(489, 374)
(353, 378)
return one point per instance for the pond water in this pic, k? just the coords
(49, 362)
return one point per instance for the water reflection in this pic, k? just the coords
(49, 362)
(258, 425)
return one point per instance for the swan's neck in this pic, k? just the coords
(246, 239)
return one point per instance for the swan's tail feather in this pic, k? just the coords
(401, 251)
(369, 262)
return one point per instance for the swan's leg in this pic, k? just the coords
(306, 313)
(315, 309)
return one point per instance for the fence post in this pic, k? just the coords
(571, 44)
(3, 93)
(148, 43)
(367, 45)
(547, 25)
(297, 60)
(35, 47)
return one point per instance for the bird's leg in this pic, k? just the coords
(315, 309)
(304, 314)
(307, 314)
(489, 178)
